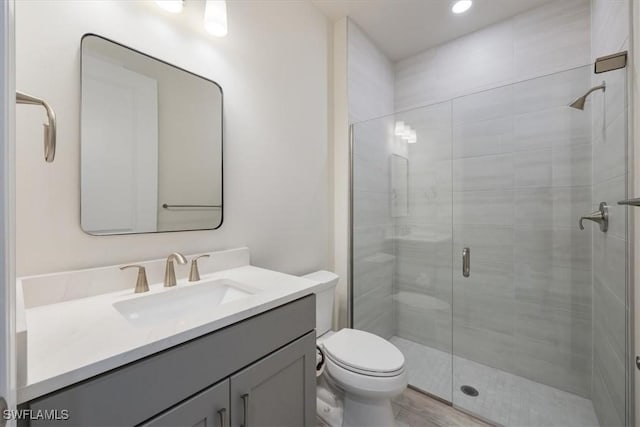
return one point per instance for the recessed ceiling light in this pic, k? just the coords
(173, 6)
(461, 6)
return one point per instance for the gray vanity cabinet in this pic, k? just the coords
(209, 408)
(260, 370)
(279, 390)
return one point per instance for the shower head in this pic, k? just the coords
(579, 103)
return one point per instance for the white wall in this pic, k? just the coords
(276, 152)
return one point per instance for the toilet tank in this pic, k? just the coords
(324, 299)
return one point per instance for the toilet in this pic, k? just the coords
(362, 371)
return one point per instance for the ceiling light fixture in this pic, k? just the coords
(461, 6)
(173, 6)
(215, 17)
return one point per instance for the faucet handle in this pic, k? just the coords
(194, 274)
(141, 283)
(601, 216)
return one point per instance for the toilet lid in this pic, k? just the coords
(363, 352)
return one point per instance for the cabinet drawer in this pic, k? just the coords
(209, 408)
(136, 392)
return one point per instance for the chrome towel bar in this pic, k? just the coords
(167, 206)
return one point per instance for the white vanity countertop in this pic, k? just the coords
(76, 339)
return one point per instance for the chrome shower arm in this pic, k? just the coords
(603, 86)
(49, 128)
(579, 103)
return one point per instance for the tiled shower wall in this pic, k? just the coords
(610, 34)
(521, 175)
(423, 237)
(521, 179)
(370, 82)
(548, 39)
(517, 163)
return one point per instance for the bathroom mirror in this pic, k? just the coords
(151, 144)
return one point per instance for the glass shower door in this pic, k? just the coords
(539, 323)
(401, 284)
(422, 241)
(536, 333)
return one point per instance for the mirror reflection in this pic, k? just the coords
(151, 144)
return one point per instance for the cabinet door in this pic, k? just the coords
(209, 408)
(279, 390)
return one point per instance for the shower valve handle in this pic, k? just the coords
(601, 216)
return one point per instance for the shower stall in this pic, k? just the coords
(466, 251)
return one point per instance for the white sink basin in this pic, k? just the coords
(181, 302)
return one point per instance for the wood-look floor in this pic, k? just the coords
(415, 409)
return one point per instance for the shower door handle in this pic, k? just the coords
(466, 262)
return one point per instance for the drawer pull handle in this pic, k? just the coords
(245, 403)
(223, 417)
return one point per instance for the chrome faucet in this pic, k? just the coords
(169, 271)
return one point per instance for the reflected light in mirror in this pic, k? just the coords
(215, 17)
(173, 6)
(405, 132)
(461, 6)
(413, 137)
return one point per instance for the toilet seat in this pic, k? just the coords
(368, 386)
(363, 353)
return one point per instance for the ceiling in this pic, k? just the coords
(402, 28)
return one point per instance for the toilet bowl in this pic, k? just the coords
(363, 371)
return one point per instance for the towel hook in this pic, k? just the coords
(49, 128)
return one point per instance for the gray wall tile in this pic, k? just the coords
(370, 77)
(370, 90)
(610, 33)
(553, 38)
(524, 168)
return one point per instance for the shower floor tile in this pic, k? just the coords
(504, 398)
